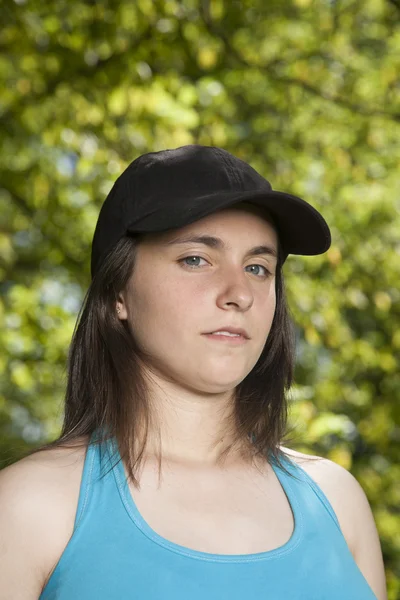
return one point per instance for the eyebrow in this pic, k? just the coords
(218, 244)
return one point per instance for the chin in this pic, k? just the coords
(221, 384)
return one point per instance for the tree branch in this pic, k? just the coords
(368, 112)
(396, 3)
(53, 239)
(84, 71)
(308, 87)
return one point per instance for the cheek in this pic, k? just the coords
(266, 313)
(158, 311)
(267, 301)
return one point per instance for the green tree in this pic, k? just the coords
(308, 92)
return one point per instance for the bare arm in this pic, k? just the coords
(355, 517)
(21, 550)
(38, 500)
(367, 550)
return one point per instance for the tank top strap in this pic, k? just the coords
(97, 459)
(86, 482)
(306, 486)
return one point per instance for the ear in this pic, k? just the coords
(120, 308)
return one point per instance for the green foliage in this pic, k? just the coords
(308, 92)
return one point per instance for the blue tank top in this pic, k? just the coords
(114, 554)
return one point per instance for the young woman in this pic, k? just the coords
(169, 479)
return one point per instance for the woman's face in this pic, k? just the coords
(180, 291)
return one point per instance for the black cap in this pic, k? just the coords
(173, 188)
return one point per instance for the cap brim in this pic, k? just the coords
(301, 228)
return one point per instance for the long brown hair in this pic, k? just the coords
(106, 386)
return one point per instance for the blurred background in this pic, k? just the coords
(308, 92)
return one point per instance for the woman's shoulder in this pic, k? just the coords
(38, 497)
(47, 482)
(50, 467)
(352, 508)
(340, 487)
(329, 475)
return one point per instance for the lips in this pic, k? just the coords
(236, 330)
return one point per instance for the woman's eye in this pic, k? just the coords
(189, 258)
(197, 258)
(266, 272)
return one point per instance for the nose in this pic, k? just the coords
(235, 289)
